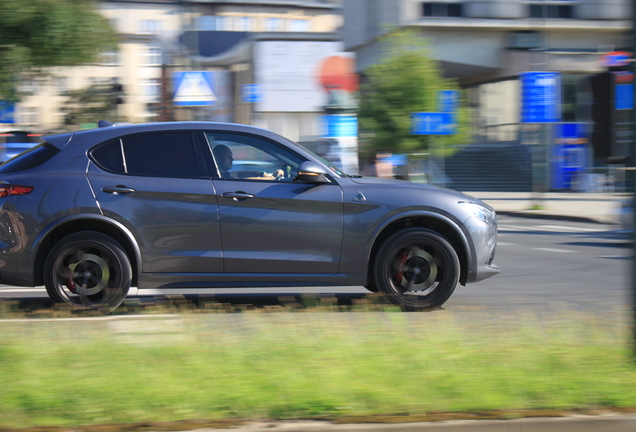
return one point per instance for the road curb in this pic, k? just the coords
(605, 423)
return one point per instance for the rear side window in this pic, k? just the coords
(31, 158)
(109, 156)
(171, 154)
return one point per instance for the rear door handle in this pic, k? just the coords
(118, 190)
(237, 196)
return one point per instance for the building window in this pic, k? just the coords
(109, 58)
(220, 23)
(99, 82)
(149, 26)
(29, 116)
(61, 84)
(151, 90)
(443, 9)
(151, 56)
(525, 40)
(243, 24)
(300, 25)
(273, 24)
(29, 86)
(552, 9)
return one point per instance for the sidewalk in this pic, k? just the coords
(601, 423)
(584, 207)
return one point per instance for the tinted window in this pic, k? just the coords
(109, 157)
(161, 154)
(31, 158)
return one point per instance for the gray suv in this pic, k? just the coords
(89, 214)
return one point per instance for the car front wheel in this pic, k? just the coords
(88, 270)
(417, 269)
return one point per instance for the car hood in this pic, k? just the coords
(371, 181)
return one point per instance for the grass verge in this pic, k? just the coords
(273, 364)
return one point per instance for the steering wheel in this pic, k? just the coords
(286, 172)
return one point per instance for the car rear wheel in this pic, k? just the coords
(417, 269)
(88, 270)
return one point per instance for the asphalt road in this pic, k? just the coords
(544, 263)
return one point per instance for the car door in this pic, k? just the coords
(158, 186)
(271, 225)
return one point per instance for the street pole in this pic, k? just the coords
(632, 174)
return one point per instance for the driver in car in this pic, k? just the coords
(224, 159)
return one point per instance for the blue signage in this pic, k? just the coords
(341, 126)
(447, 101)
(540, 97)
(569, 155)
(251, 93)
(7, 112)
(624, 96)
(193, 88)
(430, 123)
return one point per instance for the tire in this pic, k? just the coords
(417, 269)
(88, 270)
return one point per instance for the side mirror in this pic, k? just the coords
(311, 172)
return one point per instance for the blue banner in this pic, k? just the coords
(429, 123)
(540, 97)
(341, 126)
(7, 112)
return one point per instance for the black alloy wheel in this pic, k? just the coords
(88, 270)
(417, 269)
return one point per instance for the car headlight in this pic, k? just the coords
(478, 210)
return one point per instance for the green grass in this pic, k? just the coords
(274, 364)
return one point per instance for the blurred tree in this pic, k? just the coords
(35, 34)
(406, 80)
(87, 105)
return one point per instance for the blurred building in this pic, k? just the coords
(226, 38)
(487, 44)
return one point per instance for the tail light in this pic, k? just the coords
(9, 189)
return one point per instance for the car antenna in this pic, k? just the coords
(104, 123)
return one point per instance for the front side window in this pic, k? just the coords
(169, 154)
(246, 157)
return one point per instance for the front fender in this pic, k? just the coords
(457, 229)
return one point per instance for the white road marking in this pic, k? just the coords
(568, 228)
(555, 250)
(561, 228)
(506, 244)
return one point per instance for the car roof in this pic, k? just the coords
(104, 133)
(84, 139)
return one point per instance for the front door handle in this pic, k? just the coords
(118, 190)
(237, 196)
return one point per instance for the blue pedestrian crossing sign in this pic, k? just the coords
(193, 88)
(432, 123)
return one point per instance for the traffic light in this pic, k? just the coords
(117, 93)
(612, 104)
(602, 86)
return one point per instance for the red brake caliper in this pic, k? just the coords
(401, 262)
(70, 284)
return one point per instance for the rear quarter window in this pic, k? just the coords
(31, 158)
